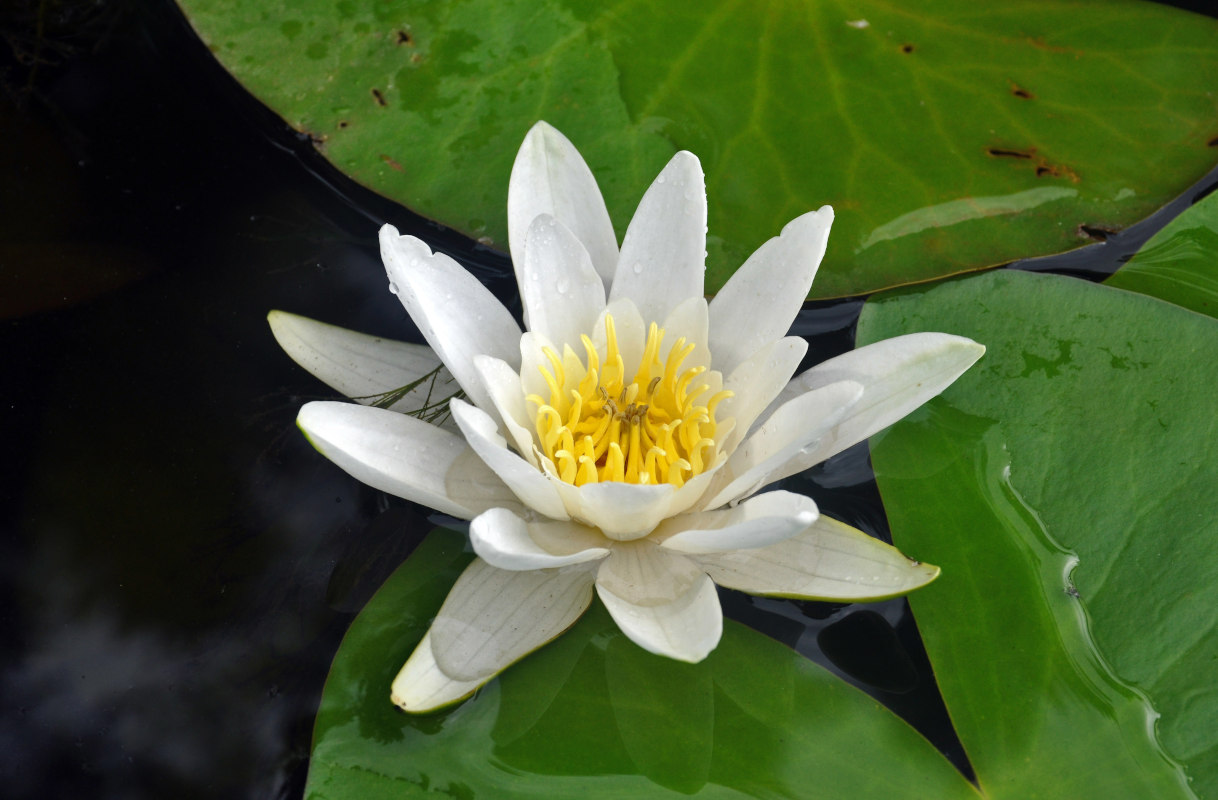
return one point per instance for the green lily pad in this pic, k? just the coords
(591, 715)
(949, 138)
(1179, 263)
(1066, 486)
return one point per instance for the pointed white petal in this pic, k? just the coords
(550, 177)
(365, 368)
(503, 385)
(756, 381)
(532, 359)
(404, 457)
(897, 376)
(757, 522)
(663, 258)
(561, 292)
(504, 540)
(689, 321)
(494, 617)
(661, 601)
(794, 428)
(828, 561)
(430, 286)
(623, 511)
(759, 302)
(421, 685)
(533, 488)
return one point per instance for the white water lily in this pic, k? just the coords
(617, 445)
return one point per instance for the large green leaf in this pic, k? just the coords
(1066, 484)
(948, 136)
(594, 716)
(1179, 263)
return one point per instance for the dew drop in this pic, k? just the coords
(563, 285)
(393, 287)
(638, 267)
(660, 179)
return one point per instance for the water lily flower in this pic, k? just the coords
(616, 446)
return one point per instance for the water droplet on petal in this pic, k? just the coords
(637, 267)
(393, 287)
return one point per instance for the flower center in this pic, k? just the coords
(599, 424)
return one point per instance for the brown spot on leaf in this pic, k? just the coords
(907, 48)
(1212, 142)
(1001, 152)
(380, 98)
(1043, 167)
(1021, 92)
(1097, 233)
(404, 37)
(342, 123)
(392, 164)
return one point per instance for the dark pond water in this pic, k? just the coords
(177, 566)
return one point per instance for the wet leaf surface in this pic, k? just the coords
(1079, 550)
(948, 138)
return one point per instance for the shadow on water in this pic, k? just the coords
(177, 566)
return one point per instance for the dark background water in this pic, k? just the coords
(177, 566)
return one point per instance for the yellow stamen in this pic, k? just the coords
(595, 426)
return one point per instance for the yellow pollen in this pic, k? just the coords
(600, 425)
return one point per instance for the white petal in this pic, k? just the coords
(503, 385)
(662, 602)
(757, 522)
(368, 369)
(645, 574)
(689, 320)
(623, 511)
(504, 540)
(561, 292)
(663, 258)
(533, 488)
(532, 359)
(550, 177)
(794, 428)
(431, 286)
(897, 376)
(756, 381)
(404, 457)
(494, 617)
(422, 686)
(758, 304)
(691, 491)
(828, 561)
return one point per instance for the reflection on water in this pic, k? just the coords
(945, 215)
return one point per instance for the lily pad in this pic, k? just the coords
(949, 138)
(591, 715)
(1179, 263)
(1066, 486)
